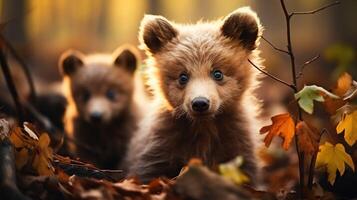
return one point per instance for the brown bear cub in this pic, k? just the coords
(203, 84)
(101, 114)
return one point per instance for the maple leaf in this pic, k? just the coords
(232, 171)
(308, 94)
(308, 138)
(349, 125)
(334, 158)
(283, 126)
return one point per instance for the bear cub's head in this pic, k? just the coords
(100, 86)
(202, 68)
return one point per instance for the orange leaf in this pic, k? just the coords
(308, 138)
(43, 157)
(16, 138)
(283, 126)
(344, 83)
(22, 158)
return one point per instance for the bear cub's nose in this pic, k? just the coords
(200, 104)
(96, 117)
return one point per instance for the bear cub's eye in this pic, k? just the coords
(111, 94)
(183, 79)
(85, 96)
(217, 75)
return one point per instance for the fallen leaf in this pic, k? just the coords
(349, 125)
(16, 138)
(43, 157)
(334, 158)
(232, 171)
(32, 150)
(22, 157)
(308, 138)
(308, 94)
(283, 126)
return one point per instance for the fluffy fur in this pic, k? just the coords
(173, 133)
(101, 115)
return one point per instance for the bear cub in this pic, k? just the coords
(101, 115)
(204, 95)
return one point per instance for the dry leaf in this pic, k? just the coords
(308, 138)
(346, 88)
(28, 146)
(43, 157)
(283, 126)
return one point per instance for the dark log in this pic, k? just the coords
(8, 187)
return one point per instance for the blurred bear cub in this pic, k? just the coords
(205, 106)
(101, 115)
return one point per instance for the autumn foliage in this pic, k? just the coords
(329, 156)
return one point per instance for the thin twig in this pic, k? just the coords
(11, 85)
(306, 64)
(316, 10)
(270, 75)
(273, 46)
(23, 65)
(293, 71)
(294, 86)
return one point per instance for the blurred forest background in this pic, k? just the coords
(41, 30)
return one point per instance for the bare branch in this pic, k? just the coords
(295, 86)
(271, 76)
(23, 65)
(316, 10)
(306, 64)
(273, 46)
(11, 85)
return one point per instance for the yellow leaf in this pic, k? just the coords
(349, 125)
(283, 126)
(232, 171)
(334, 158)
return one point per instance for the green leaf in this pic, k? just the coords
(308, 94)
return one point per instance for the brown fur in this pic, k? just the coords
(173, 133)
(87, 82)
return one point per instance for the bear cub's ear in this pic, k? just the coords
(155, 32)
(243, 26)
(126, 57)
(70, 61)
